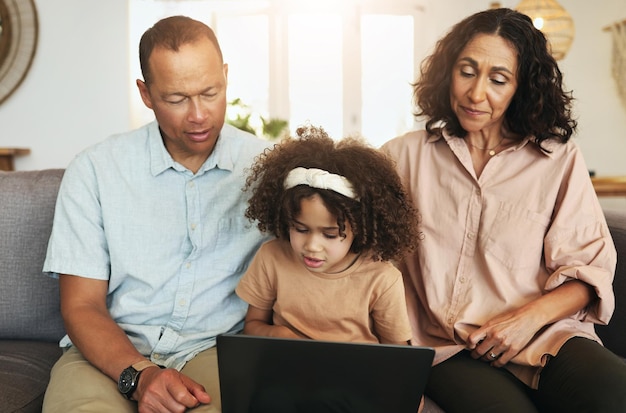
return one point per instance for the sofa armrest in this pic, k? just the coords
(29, 301)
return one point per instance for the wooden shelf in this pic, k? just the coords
(7, 156)
(609, 185)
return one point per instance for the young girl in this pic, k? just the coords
(339, 214)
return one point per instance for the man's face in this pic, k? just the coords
(188, 96)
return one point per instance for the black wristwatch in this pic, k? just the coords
(127, 383)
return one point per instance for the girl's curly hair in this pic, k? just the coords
(540, 106)
(384, 221)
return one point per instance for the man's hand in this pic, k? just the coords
(168, 390)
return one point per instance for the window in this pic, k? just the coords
(316, 71)
(345, 66)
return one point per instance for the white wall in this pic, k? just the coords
(77, 92)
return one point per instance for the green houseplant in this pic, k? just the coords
(240, 116)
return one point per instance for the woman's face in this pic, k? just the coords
(484, 80)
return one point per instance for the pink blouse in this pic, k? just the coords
(491, 244)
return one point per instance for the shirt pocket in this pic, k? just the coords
(237, 241)
(516, 237)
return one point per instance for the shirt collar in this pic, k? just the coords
(223, 154)
(161, 160)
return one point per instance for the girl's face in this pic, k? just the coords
(314, 237)
(484, 81)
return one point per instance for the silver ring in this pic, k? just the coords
(493, 356)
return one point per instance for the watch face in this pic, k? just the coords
(125, 383)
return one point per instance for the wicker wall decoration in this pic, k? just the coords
(18, 42)
(618, 58)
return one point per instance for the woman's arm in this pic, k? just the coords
(579, 254)
(507, 334)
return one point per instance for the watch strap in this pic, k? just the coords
(144, 364)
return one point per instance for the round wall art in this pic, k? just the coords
(18, 41)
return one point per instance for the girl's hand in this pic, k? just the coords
(421, 406)
(283, 332)
(258, 322)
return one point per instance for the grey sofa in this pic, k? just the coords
(30, 321)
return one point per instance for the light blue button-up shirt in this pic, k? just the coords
(172, 244)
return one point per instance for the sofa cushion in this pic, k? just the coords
(24, 374)
(613, 335)
(29, 300)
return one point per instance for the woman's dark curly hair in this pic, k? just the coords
(383, 219)
(540, 106)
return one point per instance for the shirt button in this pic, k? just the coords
(156, 356)
(188, 265)
(193, 227)
(470, 235)
(182, 302)
(462, 280)
(191, 184)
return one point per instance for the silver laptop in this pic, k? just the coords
(276, 375)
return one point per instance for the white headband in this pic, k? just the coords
(321, 179)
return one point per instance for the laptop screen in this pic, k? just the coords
(276, 375)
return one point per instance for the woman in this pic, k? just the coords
(517, 262)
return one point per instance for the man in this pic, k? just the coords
(149, 240)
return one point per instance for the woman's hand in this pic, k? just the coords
(505, 335)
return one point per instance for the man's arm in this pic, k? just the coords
(105, 345)
(91, 328)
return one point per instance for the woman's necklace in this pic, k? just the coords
(492, 151)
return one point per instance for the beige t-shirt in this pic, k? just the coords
(529, 223)
(364, 303)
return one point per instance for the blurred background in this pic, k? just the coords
(346, 65)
